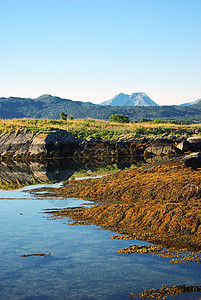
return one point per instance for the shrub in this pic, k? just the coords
(119, 118)
(63, 116)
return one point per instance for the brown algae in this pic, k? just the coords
(164, 291)
(37, 254)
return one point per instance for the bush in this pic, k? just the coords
(119, 118)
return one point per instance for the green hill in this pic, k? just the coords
(47, 106)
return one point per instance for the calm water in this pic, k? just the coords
(84, 264)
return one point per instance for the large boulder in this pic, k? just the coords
(21, 144)
(192, 160)
(195, 143)
(56, 142)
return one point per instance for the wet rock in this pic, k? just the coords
(120, 150)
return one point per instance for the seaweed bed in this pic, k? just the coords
(164, 291)
(158, 204)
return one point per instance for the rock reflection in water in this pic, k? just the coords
(17, 174)
(14, 175)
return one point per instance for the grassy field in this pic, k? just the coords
(83, 128)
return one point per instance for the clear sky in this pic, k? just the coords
(91, 50)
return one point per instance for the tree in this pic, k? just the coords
(119, 118)
(70, 117)
(63, 116)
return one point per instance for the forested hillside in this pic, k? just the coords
(47, 106)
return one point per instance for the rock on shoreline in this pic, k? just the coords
(61, 143)
(22, 144)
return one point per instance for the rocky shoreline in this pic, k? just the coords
(62, 144)
(158, 202)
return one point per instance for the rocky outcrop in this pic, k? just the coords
(132, 151)
(121, 151)
(184, 146)
(61, 143)
(126, 150)
(58, 143)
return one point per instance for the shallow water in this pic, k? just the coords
(84, 264)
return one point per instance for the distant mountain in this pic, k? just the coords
(47, 107)
(135, 99)
(191, 103)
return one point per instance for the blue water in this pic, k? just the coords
(84, 264)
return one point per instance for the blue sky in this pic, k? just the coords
(91, 50)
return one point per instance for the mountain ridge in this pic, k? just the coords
(191, 103)
(48, 107)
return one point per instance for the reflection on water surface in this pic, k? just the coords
(84, 264)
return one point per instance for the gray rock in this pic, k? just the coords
(43, 143)
(184, 146)
(194, 139)
(192, 160)
(195, 143)
(15, 142)
(22, 143)
(90, 139)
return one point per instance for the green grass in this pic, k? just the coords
(83, 128)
